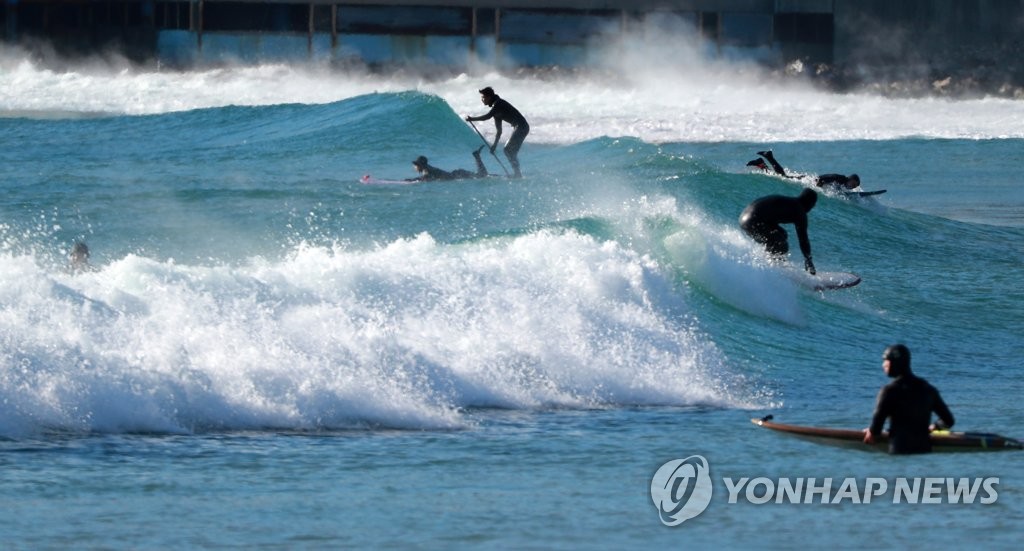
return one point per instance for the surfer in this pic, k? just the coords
(762, 220)
(78, 259)
(430, 173)
(908, 402)
(835, 182)
(502, 111)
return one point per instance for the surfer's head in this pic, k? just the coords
(896, 360)
(759, 163)
(420, 163)
(853, 181)
(808, 198)
(79, 256)
(487, 96)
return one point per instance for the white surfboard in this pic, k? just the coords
(370, 180)
(824, 281)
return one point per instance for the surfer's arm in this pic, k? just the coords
(483, 117)
(497, 133)
(805, 244)
(945, 416)
(878, 418)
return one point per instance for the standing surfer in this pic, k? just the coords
(503, 111)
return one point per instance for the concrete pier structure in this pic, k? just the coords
(857, 36)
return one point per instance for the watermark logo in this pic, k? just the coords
(761, 490)
(681, 489)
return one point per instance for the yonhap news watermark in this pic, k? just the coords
(682, 489)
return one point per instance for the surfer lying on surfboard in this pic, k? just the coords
(428, 173)
(833, 182)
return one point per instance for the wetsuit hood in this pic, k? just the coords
(899, 360)
(808, 198)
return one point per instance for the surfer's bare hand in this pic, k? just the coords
(868, 437)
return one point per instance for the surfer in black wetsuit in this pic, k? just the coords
(835, 182)
(761, 221)
(908, 402)
(430, 173)
(502, 111)
(838, 182)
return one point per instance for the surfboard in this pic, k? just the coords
(942, 440)
(370, 180)
(824, 281)
(864, 193)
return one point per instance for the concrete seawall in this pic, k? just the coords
(972, 42)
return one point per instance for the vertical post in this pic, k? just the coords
(472, 30)
(309, 36)
(11, 33)
(497, 37)
(199, 26)
(334, 26)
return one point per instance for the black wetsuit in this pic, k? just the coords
(502, 110)
(775, 164)
(908, 401)
(434, 174)
(761, 221)
(837, 182)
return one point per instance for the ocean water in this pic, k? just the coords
(267, 353)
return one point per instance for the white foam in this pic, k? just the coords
(407, 335)
(652, 96)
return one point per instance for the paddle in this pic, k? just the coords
(489, 147)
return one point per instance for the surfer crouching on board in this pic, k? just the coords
(836, 182)
(502, 110)
(430, 173)
(908, 402)
(761, 221)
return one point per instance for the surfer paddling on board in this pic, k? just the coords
(762, 220)
(502, 111)
(908, 402)
(834, 182)
(430, 173)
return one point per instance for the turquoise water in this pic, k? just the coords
(268, 353)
